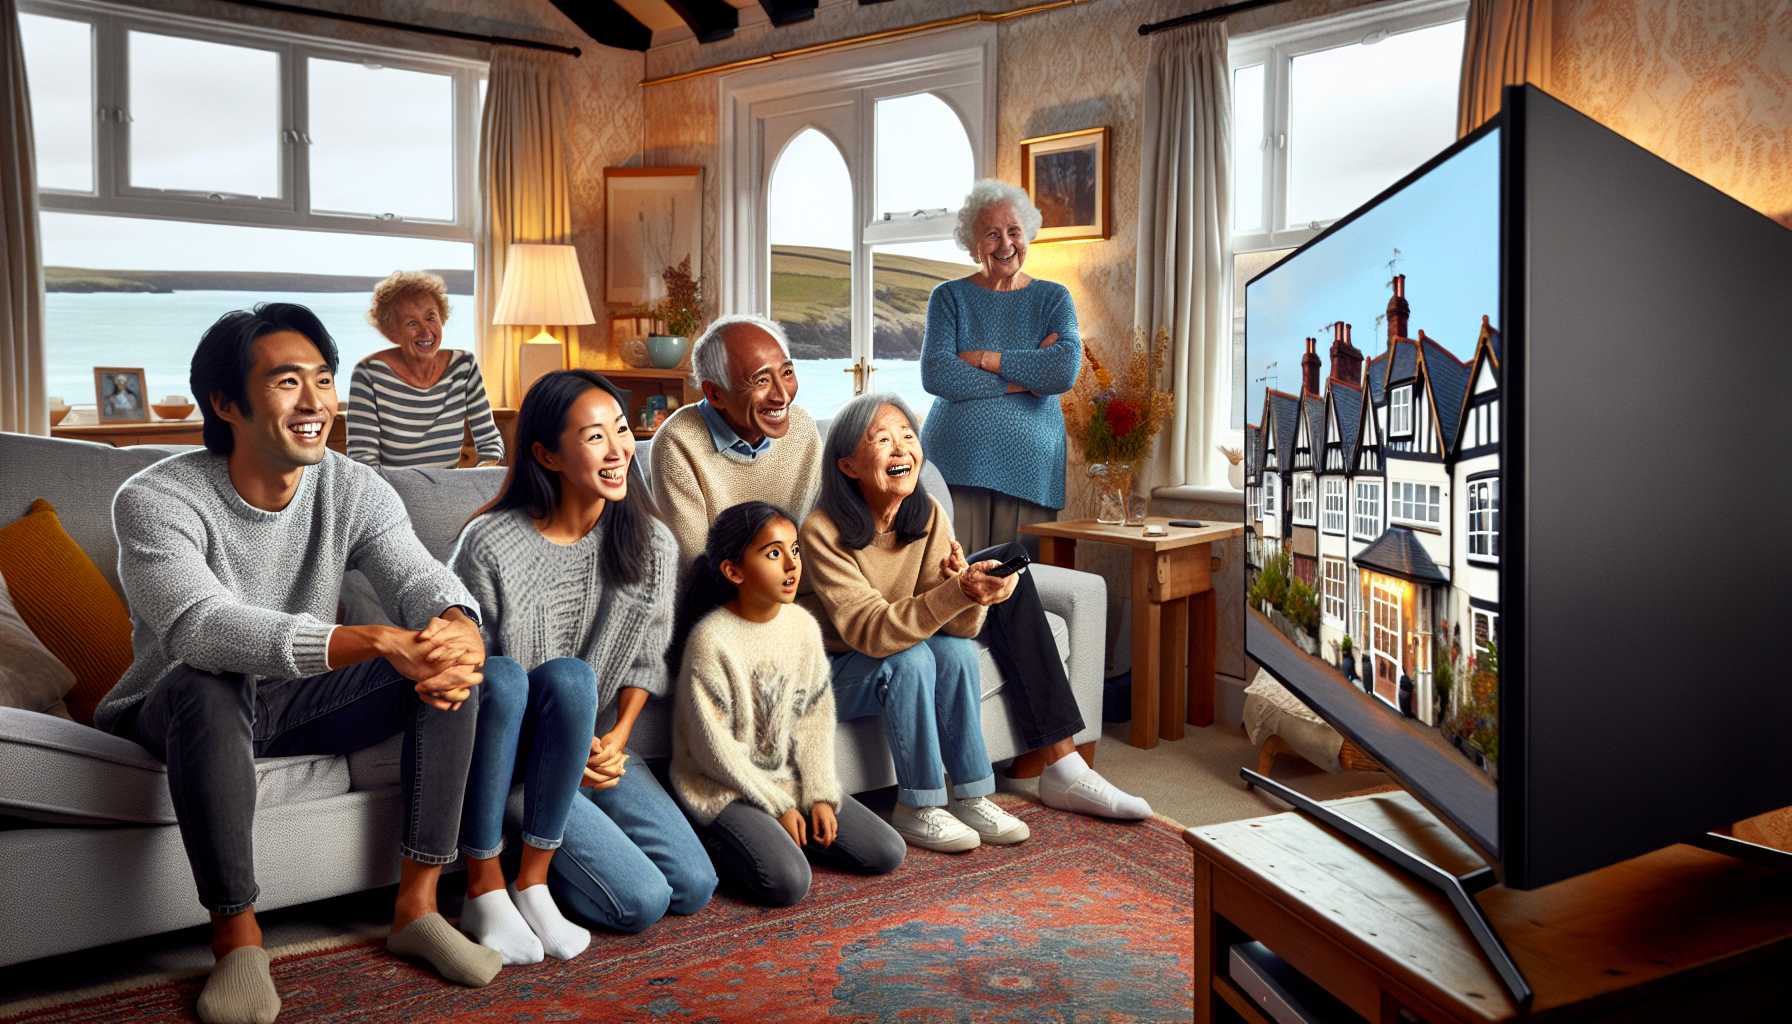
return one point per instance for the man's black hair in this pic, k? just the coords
(227, 351)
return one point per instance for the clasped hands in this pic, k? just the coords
(609, 753)
(821, 817)
(990, 360)
(443, 658)
(975, 580)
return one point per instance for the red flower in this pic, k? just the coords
(1122, 417)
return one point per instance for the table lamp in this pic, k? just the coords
(544, 286)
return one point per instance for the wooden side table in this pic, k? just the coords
(1678, 934)
(1173, 616)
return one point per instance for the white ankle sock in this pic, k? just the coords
(560, 938)
(492, 920)
(1067, 769)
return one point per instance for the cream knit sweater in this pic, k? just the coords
(884, 598)
(755, 716)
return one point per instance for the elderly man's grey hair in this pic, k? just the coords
(987, 193)
(709, 356)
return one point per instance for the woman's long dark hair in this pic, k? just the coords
(708, 589)
(532, 487)
(840, 495)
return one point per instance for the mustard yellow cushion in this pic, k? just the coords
(68, 604)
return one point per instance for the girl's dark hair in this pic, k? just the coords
(840, 497)
(708, 589)
(226, 351)
(628, 536)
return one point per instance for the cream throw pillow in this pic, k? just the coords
(30, 676)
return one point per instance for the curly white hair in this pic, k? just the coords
(993, 192)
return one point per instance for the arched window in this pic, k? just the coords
(808, 227)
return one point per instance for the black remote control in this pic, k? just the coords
(1187, 522)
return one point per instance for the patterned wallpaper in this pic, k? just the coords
(1704, 84)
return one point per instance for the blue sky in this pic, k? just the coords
(1446, 226)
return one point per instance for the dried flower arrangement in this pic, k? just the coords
(1113, 421)
(682, 308)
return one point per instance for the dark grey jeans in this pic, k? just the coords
(754, 853)
(209, 729)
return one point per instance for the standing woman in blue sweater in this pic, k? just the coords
(1000, 348)
(575, 581)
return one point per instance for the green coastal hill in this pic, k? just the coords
(812, 298)
(161, 282)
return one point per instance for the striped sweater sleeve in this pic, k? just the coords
(486, 439)
(363, 419)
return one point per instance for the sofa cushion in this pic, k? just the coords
(79, 478)
(68, 604)
(31, 678)
(67, 773)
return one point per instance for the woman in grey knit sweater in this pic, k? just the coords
(576, 584)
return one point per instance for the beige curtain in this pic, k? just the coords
(1184, 238)
(1506, 43)
(22, 398)
(523, 197)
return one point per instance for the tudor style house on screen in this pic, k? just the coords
(1390, 473)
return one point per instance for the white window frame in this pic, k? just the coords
(1483, 529)
(959, 66)
(1272, 486)
(1476, 617)
(1367, 491)
(1276, 50)
(1335, 517)
(1305, 498)
(1332, 590)
(1400, 411)
(113, 194)
(1409, 501)
(1252, 501)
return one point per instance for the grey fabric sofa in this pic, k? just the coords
(87, 831)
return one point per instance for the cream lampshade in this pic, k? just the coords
(542, 285)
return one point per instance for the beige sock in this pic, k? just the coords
(453, 955)
(240, 989)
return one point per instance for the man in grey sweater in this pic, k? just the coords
(232, 561)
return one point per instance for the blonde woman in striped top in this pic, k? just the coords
(409, 405)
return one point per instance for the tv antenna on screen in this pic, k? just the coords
(1269, 376)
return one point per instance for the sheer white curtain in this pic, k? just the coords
(523, 197)
(1184, 237)
(1506, 43)
(22, 399)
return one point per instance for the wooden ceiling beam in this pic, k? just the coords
(607, 22)
(788, 12)
(711, 21)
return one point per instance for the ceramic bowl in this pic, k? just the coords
(666, 351)
(174, 412)
(59, 413)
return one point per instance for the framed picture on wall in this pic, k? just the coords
(653, 218)
(120, 395)
(1066, 176)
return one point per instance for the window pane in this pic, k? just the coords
(59, 73)
(923, 155)
(1355, 128)
(205, 117)
(1247, 149)
(809, 229)
(902, 279)
(382, 141)
(1245, 266)
(101, 311)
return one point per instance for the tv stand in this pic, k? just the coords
(1742, 849)
(1458, 889)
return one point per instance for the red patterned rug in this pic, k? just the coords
(1086, 921)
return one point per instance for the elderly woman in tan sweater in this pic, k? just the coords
(900, 608)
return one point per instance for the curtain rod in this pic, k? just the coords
(359, 19)
(1207, 15)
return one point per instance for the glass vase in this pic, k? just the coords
(1113, 494)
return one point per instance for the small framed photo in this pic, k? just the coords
(120, 394)
(653, 219)
(1066, 176)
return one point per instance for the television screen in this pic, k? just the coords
(1373, 479)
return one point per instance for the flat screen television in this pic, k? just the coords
(1517, 492)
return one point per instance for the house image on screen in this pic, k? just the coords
(1390, 468)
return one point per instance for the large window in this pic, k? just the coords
(1334, 506)
(841, 180)
(1332, 604)
(1484, 518)
(1367, 521)
(188, 167)
(1415, 503)
(1303, 498)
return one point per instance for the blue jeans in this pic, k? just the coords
(930, 699)
(547, 712)
(630, 856)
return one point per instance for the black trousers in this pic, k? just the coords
(1021, 641)
(754, 854)
(209, 728)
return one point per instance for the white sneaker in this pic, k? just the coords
(932, 828)
(993, 824)
(1092, 795)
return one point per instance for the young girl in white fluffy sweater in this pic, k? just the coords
(753, 745)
